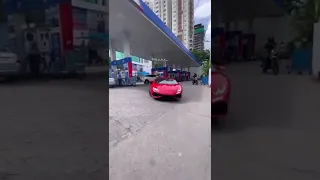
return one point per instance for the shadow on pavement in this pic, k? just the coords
(190, 93)
(258, 100)
(93, 81)
(56, 124)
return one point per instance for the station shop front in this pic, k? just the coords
(58, 27)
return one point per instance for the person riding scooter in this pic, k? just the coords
(195, 80)
(269, 46)
(271, 61)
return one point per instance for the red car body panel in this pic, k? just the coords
(220, 94)
(165, 90)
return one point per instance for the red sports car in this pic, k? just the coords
(220, 93)
(165, 87)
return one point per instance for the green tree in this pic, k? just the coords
(305, 14)
(293, 5)
(206, 65)
(204, 58)
(201, 55)
(157, 64)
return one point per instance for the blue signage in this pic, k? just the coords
(56, 51)
(121, 61)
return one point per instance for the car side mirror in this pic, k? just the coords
(179, 83)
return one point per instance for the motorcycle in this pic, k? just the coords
(271, 62)
(195, 81)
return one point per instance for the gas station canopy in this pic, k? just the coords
(134, 24)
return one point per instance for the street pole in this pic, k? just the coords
(210, 60)
(209, 50)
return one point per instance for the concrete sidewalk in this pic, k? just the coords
(175, 146)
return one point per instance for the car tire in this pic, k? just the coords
(146, 81)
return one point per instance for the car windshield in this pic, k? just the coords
(167, 81)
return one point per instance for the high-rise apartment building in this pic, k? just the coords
(178, 15)
(183, 21)
(198, 41)
(149, 3)
(163, 9)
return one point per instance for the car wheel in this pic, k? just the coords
(146, 81)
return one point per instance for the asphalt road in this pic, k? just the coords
(54, 130)
(272, 131)
(151, 139)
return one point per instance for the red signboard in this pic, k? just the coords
(66, 26)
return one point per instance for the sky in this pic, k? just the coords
(202, 14)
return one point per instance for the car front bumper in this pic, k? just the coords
(112, 83)
(166, 95)
(12, 69)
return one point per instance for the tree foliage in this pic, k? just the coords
(157, 64)
(204, 58)
(305, 14)
(206, 65)
(201, 55)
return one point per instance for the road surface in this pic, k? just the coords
(157, 140)
(54, 130)
(272, 131)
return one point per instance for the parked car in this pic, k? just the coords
(147, 79)
(220, 94)
(112, 82)
(9, 63)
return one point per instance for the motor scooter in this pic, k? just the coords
(195, 81)
(271, 62)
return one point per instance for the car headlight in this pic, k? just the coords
(179, 91)
(155, 89)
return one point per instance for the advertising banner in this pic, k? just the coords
(134, 67)
(66, 26)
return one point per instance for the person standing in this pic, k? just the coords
(119, 79)
(34, 60)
